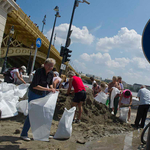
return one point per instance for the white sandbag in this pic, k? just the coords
(8, 106)
(101, 97)
(22, 107)
(21, 90)
(4, 87)
(64, 130)
(41, 113)
(124, 113)
(114, 92)
(7, 93)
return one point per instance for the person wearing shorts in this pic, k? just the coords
(80, 93)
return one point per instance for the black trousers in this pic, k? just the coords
(141, 115)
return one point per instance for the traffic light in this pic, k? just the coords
(66, 54)
(62, 51)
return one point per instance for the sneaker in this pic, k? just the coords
(51, 137)
(134, 126)
(25, 138)
(78, 121)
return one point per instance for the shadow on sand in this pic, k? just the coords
(13, 140)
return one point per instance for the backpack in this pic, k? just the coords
(7, 76)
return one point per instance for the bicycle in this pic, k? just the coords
(144, 133)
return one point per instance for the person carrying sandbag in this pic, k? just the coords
(126, 99)
(40, 86)
(80, 93)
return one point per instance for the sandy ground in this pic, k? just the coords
(96, 123)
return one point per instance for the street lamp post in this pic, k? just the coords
(76, 3)
(44, 21)
(28, 66)
(56, 15)
(54, 40)
(9, 39)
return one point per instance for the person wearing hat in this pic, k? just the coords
(17, 74)
(126, 99)
(56, 80)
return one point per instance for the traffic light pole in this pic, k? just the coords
(74, 7)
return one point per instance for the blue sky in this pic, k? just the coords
(106, 37)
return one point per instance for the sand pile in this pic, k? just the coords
(96, 120)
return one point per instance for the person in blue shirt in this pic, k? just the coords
(144, 98)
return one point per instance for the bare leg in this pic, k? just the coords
(129, 114)
(80, 110)
(74, 104)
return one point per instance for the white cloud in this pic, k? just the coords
(110, 72)
(141, 63)
(78, 35)
(125, 39)
(79, 63)
(96, 29)
(105, 59)
(133, 75)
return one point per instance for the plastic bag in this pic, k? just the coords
(8, 106)
(21, 90)
(124, 113)
(114, 92)
(4, 87)
(22, 107)
(101, 97)
(41, 113)
(64, 130)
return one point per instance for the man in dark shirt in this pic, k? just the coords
(41, 85)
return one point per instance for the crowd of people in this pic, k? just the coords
(46, 79)
(124, 99)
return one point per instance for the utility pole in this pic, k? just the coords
(54, 40)
(44, 22)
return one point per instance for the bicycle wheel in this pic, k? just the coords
(144, 134)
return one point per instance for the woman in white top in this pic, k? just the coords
(56, 80)
(126, 99)
(17, 74)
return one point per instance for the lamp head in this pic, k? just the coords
(12, 31)
(56, 8)
(57, 14)
(85, 1)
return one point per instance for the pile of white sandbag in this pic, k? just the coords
(9, 96)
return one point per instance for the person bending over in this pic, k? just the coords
(96, 89)
(17, 74)
(126, 99)
(40, 86)
(80, 93)
(56, 80)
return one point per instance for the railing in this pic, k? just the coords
(20, 14)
